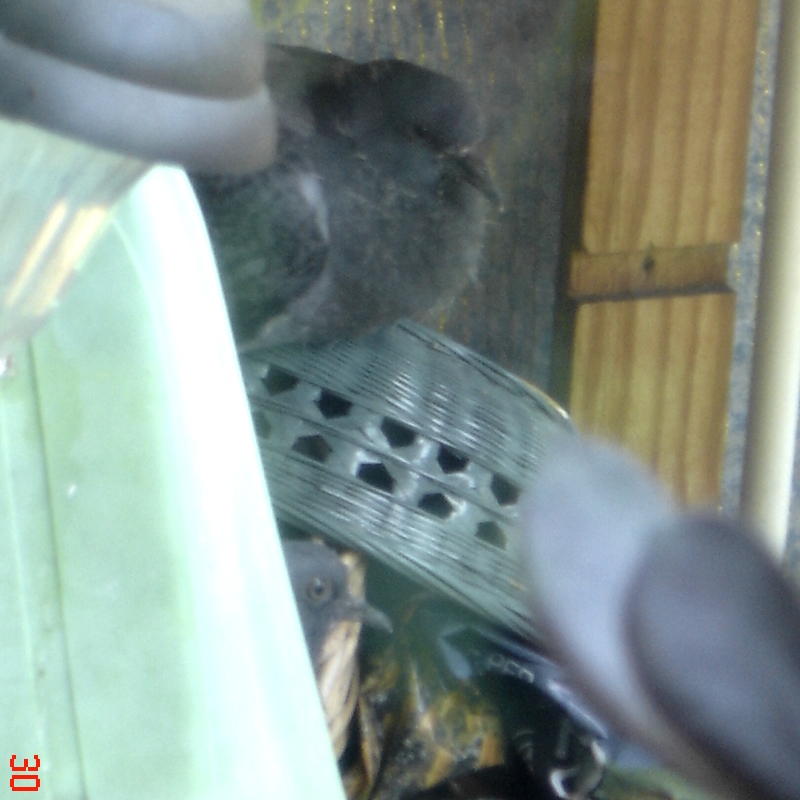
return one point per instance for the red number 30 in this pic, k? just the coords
(21, 774)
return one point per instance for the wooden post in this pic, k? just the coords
(663, 202)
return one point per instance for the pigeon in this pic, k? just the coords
(676, 625)
(329, 592)
(324, 596)
(374, 209)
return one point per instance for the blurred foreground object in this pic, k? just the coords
(679, 627)
(165, 81)
(145, 82)
(374, 210)
(144, 588)
(55, 195)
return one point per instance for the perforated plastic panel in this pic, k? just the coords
(411, 448)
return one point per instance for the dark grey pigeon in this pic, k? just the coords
(678, 627)
(374, 209)
(320, 585)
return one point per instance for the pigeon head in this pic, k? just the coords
(320, 583)
(429, 106)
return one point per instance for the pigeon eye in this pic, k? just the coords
(423, 133)
(319, 590)
(420, 131)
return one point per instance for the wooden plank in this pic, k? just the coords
(649, 272)
(653, 376)
(670, 111)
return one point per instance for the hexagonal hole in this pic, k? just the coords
(451, 460)
(261, 424)
(314, 447)
(278, 380)
(331, 406)
(397, 434)
(436, 504)
(505, 492)
(376, 475)
(491, 533)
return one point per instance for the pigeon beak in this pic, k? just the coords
(474, 171)
(362, 611)
(376, 619)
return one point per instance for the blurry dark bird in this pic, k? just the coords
(679, 627)
(374, 209)
(329, 592)
(324, 592)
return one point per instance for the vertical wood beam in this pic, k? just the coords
(653, 375)
(670, 111)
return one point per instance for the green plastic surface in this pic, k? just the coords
(149, 645)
